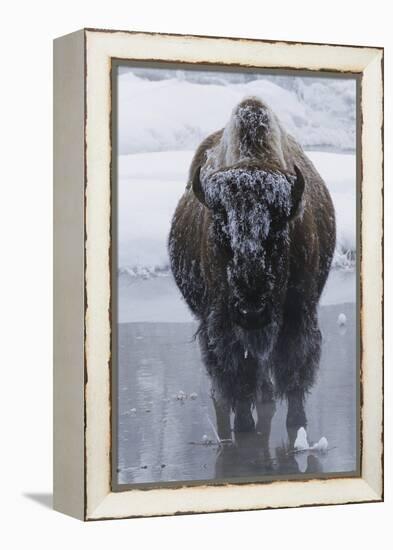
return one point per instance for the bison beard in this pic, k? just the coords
(251, 245)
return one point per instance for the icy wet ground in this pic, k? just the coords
(157, 299)
(166, 414)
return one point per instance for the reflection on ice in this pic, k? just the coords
(161, 436)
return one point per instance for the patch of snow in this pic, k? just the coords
(342, 319)
(301, 443)
(322, 445)
(181, 395)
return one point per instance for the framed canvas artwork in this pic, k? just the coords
(218, 274)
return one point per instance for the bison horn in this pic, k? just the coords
(297, 192)
(197, 187)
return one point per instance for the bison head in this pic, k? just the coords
(251, 209)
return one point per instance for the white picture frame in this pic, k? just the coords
(82, 291)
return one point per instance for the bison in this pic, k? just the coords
(251, 244)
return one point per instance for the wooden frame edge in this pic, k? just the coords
(69, 279)
(97, 503)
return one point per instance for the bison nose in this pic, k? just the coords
(251, 317)
(250, 312)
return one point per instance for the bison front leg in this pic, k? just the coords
(221, 401)
(222, 408)
(296, 415)
(244, 390)
(266, 407)
(296, 360)
(233, 381)
(244, 421)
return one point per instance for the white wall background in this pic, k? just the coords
(26, 379)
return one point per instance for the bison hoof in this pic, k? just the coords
(244, 422)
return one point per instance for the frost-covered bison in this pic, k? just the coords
(250, 246)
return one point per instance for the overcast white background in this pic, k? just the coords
(26, 285)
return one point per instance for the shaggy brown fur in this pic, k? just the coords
(275, 287)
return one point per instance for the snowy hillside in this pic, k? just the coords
(158, 180)
(177, 109)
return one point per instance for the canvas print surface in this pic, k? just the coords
(235, 275)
